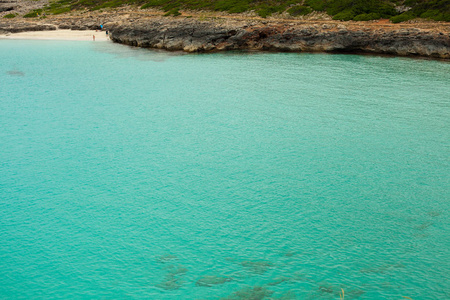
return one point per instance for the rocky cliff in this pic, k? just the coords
(205, 36)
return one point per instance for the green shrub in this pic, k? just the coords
(171, 7)
(344, 16)
(60, 10)
(9, 16)
(438, 10)
(402, 18)
(174, 12)
(367, 17)
(446, 17)
(266, 10)
(233, 6)
(358, 7)
(299, 10)
(33, 14)
(410, 3)
(436, 15)
(147, 5)
(360, 10)
(111, 4)
(58, 7)
(318, 5)
(238, 9)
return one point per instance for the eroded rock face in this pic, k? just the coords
(20, 7)
(25, 26)
(6, 7)
(205, 36)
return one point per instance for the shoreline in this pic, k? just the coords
(199, 36)
(59, 34)
(215, 33)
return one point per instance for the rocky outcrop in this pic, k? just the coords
(192, 35)
(25, 26)
(51, 23)
(20, 7)
(7, 5)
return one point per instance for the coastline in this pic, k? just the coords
(213, 33)
(191, 35)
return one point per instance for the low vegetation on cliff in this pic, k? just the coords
(357, 10)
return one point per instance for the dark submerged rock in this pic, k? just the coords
(211, 280)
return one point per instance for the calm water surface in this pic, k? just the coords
(127, 173)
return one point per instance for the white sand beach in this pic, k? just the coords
(67, 35)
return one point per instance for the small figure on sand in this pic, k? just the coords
(93, 38)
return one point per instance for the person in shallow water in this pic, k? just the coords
(93, 38)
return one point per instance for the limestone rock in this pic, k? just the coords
(191, 35)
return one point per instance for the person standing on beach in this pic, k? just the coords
(93, 38)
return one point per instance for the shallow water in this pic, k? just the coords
(129, 173)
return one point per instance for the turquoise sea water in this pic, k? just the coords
(128, 173)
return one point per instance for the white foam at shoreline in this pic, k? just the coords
(63, 34)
